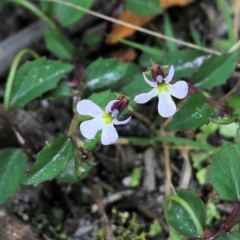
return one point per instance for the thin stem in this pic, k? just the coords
(186, 206)
(104, 218)
(36, 11)
(229, 223)
(140, 29)
(12, 73)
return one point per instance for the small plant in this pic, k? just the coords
(108, 98)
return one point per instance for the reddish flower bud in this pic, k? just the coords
(119, 105)
(157, 71)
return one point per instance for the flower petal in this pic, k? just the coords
(179, 89)
(117, 122)
(145, 97)
(90, 128)
(166, 106)
(109, 135)
(170, 74)
(152, 84)
(87, 107)
(109, 105)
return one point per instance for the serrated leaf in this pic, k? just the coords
(51, 160)
(58, 44)
(104, 73)
(62, 91)
(12, 166)
(216, 70)
(187, 62)
(224, 171)
(143, 7)
(35, 78)
(180, 219)
(193, 113)
(69, 15)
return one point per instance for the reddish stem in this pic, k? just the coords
(229, 223)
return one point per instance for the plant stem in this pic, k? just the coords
(36, 11)
(104, 218)
(12, 73)
(229, 223)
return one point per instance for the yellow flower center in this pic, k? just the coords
(162, 87)
(107, 118)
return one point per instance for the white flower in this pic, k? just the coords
(164, 90)
(102, 120)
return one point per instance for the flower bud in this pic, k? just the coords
(119, 105)
(156, 73)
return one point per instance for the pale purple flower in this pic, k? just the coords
(164, 91)
(102, 120)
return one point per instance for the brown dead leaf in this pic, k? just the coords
(129, 17)
(123, 32)
(170, 3)
(125, 55)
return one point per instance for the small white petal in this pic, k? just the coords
(152, 84)
(166, 106)
(109, 105)
(145, 97)
(87, 107)
(90, 128)
(109, 135)
(117, 122)
(170, 75)
(179, 89)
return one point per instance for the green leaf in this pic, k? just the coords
(228, 130)
(234, 102)
(104, 73)
(143, 7)
(144, 48)
(224, 171)
(187, 62)
(68, 175)
(136, 86)
(229, 236)
(35, 78)
(168, 31)
(171, 139)
(58, 44)
(135, 177)
(193, 113)
(216, 70)
(69, 15)
(62, 91)
(155, 228)
(49, 8)
(181, 220)
(12, 166)
(102, 98)
(51, 160)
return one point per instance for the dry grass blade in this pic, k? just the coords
(140, 29)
